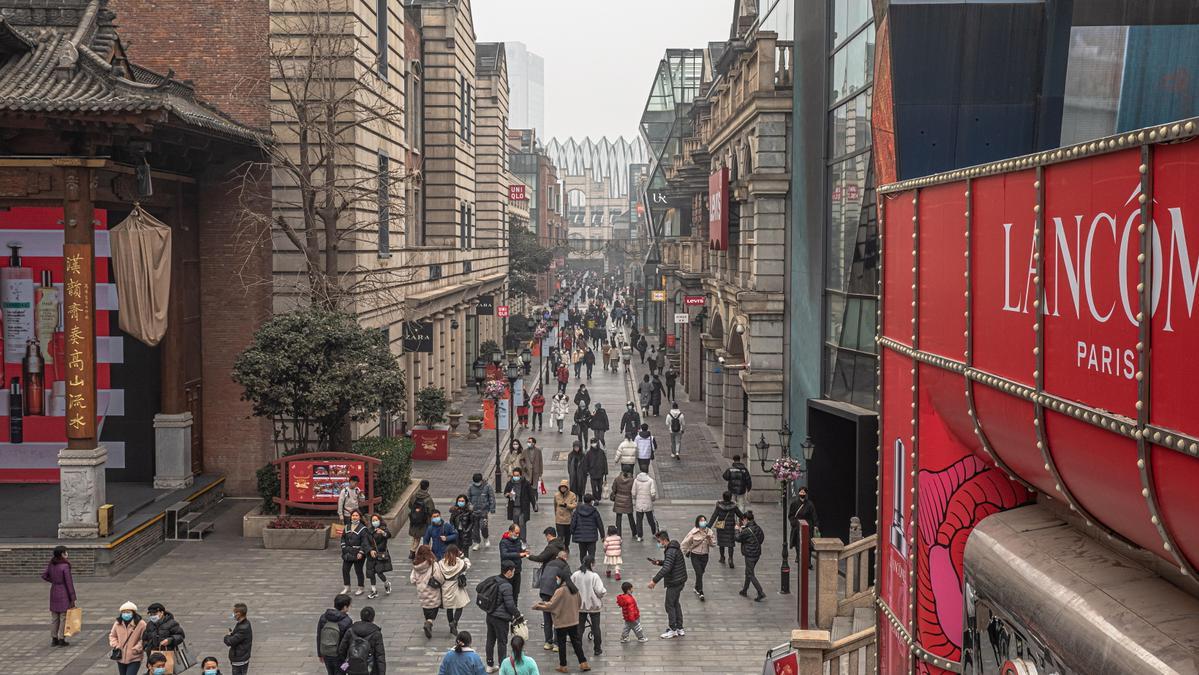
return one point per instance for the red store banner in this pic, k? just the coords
(718, 210)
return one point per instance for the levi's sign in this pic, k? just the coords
(695, 300)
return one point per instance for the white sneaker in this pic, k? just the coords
(474, 547)
(668, 635)
(643, 639)
(492, 669)
(487, 544)
(387, 587)
(681, 632)
(345, 590)
(624, 639)
(359, 591)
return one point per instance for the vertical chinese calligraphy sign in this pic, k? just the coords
(80, 329)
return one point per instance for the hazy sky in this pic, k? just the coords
(600, 55)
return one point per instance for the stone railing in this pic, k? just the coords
(843, 587)
(766, 66)
(853, 653)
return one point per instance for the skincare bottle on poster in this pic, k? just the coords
(46, 299)
(33, 371)
(16, 303)
(16, 421)
(58, 399)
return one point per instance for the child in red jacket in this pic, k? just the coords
(631, 614)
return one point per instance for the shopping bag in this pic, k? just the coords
(183, 659)
(170, 664)
(74, 621)
(520, 628)
(541, 486)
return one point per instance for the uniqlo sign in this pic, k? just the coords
(516, 193)
(502, 311)
(718, 210)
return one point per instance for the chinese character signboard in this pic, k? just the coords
(516, 193)
(718, 210)
(319, 482)
(79, 311)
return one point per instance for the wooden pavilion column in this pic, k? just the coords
(81, 464)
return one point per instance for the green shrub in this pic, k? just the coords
(390, 481)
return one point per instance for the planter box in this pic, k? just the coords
(300, 540)
(431, 444)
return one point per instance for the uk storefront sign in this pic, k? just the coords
(718, 210)
(1021, 305)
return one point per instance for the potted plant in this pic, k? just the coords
(455, 416)
(430, 435)
(286, 532)
(474, 425)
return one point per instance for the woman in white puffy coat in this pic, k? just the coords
(560, 407)
(626, 455)
(645, 492)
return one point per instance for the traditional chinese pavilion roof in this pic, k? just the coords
(68, 61)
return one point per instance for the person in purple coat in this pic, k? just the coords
(62, 594)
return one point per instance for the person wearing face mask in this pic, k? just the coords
(513, 550)
(125, 640)
(582, 426)
(156, 664)
(520, 496)
(600, 424)
(803, 510)
(240, 640)
(564, 605)
(462, 518)
(565, 503)
(378, 561)
(560, 408)
(211, 666)
(673, 570)
(536, 466)
(439, 535)
(62, 594)
(576, 468)
(645, 493)
(163, 633)
(354, 544)
(428, 588)
(515, 458)
(630, 421)
(597, 468)
(695, 546)
(481, 496)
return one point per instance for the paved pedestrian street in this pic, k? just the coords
(287, 590)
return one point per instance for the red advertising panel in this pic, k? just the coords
(1090, 262)
(319, 482)
(695, 300)
(942, 266)
(516, 193)
(1001, 274)
(896, 505)
(718, 210)
(897, 266)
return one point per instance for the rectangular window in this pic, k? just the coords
(462, 234)
(381, 36)
(470, 221)
(384, 198)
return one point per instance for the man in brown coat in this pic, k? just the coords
(622, 498)
(565, 502)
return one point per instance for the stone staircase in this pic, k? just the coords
(844, 640)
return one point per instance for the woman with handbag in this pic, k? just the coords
(428, 586)
(125, 640)
(451, 572)
(62, 594)
(378, 564)
(355, 541)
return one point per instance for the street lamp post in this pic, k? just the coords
(480, 374)
(763, 449)
(496, 359)
(526, 358)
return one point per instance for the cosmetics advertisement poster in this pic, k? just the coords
(896, 509)
(33, 399)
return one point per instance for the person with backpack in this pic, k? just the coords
(740, 482)
(630, 421)
(330, 629)
(451, 572)
(494, 597)
(418, 516)
(428, 588)
(439, 534)
(564, 605)
(646, 447)
(673, 570)
(518, 663)
(482, 502)
(750, 536)
(362, 646)
(675, 422)
(461, 659)
(378, 560)
(354, 544)
(349, 500)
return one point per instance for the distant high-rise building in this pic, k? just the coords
(526, 81)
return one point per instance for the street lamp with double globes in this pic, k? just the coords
(526, 358)
(480, 374)
(763, 451)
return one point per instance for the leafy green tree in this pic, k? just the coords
(527, 259)
(431, 404)
(312, 371)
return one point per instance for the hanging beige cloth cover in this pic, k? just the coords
(141, 259)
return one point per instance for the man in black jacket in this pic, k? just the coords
(499, 618)
(597, 469)
(751, 537)
(739, 483)
(368, 659)
(328, 646)
(520, 494)
(600, 424)
(673, 569)
(583, 422)
(630, 421)
(586, 527)
(163, 632)
(553, 561)
(240, 641)
(576, 468)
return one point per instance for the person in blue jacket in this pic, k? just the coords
(439, 535)
(461, 660)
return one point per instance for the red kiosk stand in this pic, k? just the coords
(431, 444)
(313, 480)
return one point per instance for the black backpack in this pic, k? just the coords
(416, 513)
(675, 425)
(359, 654)
(487, 594)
